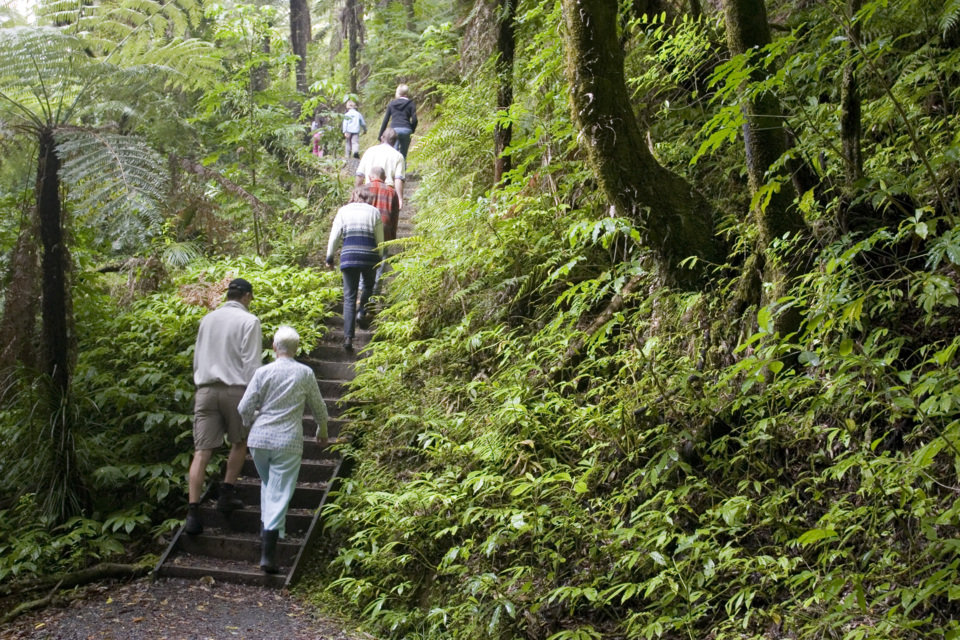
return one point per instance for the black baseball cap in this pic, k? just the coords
(241, 285)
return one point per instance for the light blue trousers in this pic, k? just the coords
(278, 479)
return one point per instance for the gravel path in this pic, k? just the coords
(178, 610)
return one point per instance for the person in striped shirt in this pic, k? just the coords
(358, 229)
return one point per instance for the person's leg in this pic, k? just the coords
(368, 277)
(261, 459)
(284, 469)
(198, 473)
(351, 280)
(346, 144)
(208, 431)
(229, 405)
(381, 268)
(355, 144)
(403, 140)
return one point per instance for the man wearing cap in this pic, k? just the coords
(227, 353)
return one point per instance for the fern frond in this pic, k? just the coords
(40, 71)
(950, 16)
(116, 181)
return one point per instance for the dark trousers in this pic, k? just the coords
(351, 283)
(403, 140)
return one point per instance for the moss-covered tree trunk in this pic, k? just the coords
(675, 219)
(766, 141)
(299, 37)
(506, 44)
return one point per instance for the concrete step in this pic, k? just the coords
(190, 566)
(333, 389)
(331, 352)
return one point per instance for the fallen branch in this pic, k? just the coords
(228, 185)
(574, 353)
(103, 571)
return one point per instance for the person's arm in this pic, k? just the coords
(413, 117)
(394, 212)
(378, 227)
(318, 407)
(363, 123)
(336, 234)
(251, 349)
(250, 401)
(398, 186)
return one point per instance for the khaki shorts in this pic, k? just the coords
(215, 414)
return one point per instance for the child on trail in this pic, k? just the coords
(353, 122)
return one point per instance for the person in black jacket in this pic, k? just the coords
(403, 112)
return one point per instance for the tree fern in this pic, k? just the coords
(116, 182)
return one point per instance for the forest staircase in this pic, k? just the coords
(228, 550)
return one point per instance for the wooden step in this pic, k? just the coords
(191, 566)
(244, 547)
(248, 520)
(305, 496)
(333, 352)
(332, 370)
(334, 424)
(310, 470)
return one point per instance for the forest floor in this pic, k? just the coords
(174, 609)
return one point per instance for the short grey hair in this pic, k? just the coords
(378, 173)
(286, 341)
(389, 136)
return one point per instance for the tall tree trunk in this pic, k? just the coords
(411, 15)
(850, 121)
(503, 130)
(351, 18)
(54, 265)
(696, 9)
(20, 305)
(299, 37)
(766, 141)
(260, 75)
(676, 221)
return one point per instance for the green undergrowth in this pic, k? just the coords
(131, 410)
(679, 471)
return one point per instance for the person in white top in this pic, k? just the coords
(272, 407)
(353, 122)
(384, 155)
(227, 354)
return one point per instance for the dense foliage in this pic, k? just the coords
(556, 442)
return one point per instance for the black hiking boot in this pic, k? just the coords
(348, 344)
(228, 501)
(193, 525)
(268, 558)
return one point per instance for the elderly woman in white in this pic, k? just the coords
(279, 391)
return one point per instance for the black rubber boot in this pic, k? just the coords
(268, 558)
(194, 526)
(228, 501)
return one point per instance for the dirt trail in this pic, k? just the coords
(179, 610)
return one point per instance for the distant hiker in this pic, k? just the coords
(353, 122)
(359, 228)
(317, 149)
(385, 199)
(389, 159)
(403, 113)
(278, 392)
(226, 355)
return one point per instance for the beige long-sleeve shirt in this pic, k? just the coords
(229, 346)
